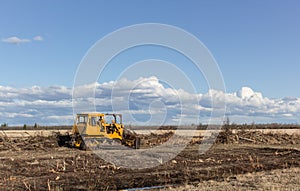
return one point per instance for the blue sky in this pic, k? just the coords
(256, 43)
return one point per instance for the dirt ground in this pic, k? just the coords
(242, 161)
(280, 179)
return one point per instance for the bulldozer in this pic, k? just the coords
(91, 130)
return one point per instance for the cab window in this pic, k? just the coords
(93, 121)
(81, 119)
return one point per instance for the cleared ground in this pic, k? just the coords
(280, 179)
(244, 160)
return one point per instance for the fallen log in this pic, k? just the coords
(246, 139)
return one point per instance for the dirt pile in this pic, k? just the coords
(28, 143)
(153, 139)
(256, 137)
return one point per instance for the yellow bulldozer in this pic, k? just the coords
(98, 130)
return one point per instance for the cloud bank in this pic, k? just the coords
(142, 101)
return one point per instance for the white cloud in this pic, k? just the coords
(142, 101)
(15, 40)
(38, 38)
